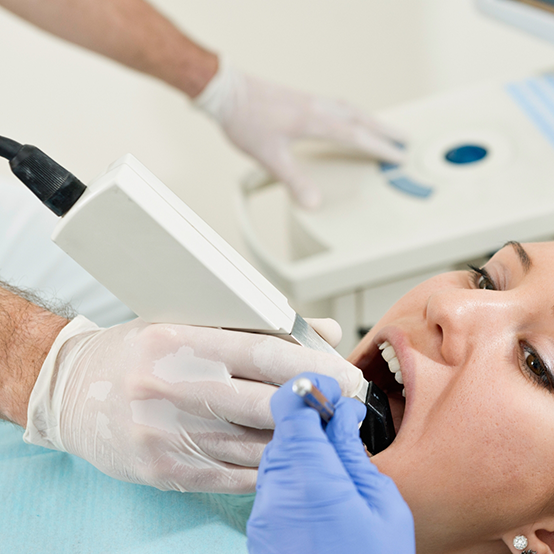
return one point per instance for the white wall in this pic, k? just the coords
(85, 111)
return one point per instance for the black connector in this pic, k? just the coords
(56, 188)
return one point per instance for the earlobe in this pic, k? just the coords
(537, 538)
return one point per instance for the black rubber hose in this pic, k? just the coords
(8, 148)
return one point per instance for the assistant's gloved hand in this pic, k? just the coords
(317, 490)
(263, 119)
(172, 406)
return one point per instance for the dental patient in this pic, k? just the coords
(473, 352)
(466, 359)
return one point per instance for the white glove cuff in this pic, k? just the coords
(43, 413)
(215, 97)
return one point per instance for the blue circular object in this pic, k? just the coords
(466, 154)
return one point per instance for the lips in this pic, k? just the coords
(380, 364)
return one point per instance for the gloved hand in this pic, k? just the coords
(262, 119)
(172, 406)
(317, 490)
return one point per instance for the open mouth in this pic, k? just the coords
(380, 365)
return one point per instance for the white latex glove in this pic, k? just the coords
(262, 119)
(172, 406)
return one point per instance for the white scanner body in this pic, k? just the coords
(146, 246)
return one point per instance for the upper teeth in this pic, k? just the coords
(388, 353)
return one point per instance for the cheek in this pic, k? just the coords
(472, 438)
(498, 426)
(479, 455)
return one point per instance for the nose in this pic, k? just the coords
(460, 320)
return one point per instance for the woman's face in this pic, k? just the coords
(474, 454)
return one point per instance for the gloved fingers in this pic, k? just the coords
(343, 433)
(249, 406)
(378, 126)
(280, 163)
(303, 487)
(183, 354)
(287, 405)
(172, 462)
(301, 478)
(270, 359)
(227, 479)
(377, 489)
(373, 144)
(242, 402)
(245, 449)
(301, 459)
(327, 328)
(340, 122)
(328, 114)
(192, 424)
(264, 464)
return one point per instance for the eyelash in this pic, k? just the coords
(544, 378)
(479, 273)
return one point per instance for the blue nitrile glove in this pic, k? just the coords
(317, 490)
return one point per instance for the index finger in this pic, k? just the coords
(276, 360)
(333, 114)
(265, 358)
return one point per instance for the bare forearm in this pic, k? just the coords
(131, 32)
(27, 332)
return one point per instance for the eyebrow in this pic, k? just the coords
(521, 253)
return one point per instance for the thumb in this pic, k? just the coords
(327, 328)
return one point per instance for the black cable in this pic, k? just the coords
(8, 148)
(56, 188)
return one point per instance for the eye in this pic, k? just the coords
(535, 367)
(482, 278)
